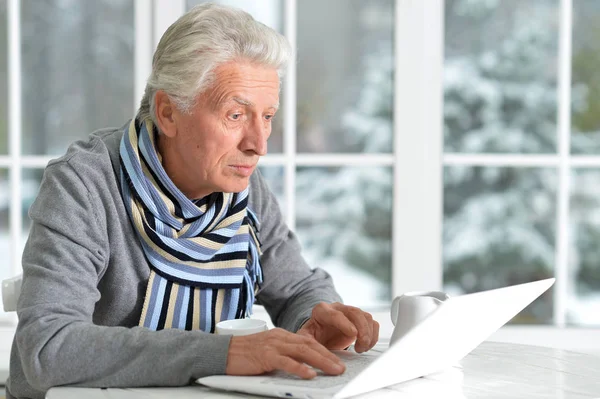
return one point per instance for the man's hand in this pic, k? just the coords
(278, 349)
(336, 326)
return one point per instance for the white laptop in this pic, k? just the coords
(448, 334)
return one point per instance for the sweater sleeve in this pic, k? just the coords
(58, 343)
(291, 288)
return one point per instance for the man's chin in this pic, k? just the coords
(237, 186)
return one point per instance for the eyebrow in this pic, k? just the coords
(248, 103)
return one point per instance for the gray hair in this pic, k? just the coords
(197, 43)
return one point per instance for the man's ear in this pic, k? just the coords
(165, 114)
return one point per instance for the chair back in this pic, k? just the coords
(11, 289)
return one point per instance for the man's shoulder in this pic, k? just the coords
(93, 162)
(98, 152)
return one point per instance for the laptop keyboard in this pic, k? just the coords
(355, 363)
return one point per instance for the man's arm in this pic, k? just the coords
(58, 343)
(293, 294)
(291, 288)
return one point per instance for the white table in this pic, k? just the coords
(492, 370)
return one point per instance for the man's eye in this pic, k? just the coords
(235, 117)
(269, 117)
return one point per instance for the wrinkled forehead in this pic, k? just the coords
(245, 84)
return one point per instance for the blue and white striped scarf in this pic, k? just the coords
(204, 254)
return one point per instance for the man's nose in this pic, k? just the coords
(256, 137)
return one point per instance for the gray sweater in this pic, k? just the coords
(85, 276)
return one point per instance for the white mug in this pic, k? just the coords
(240, 327)
(411, 308)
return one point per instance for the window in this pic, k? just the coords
(521, 127)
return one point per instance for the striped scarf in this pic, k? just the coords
(204, 255)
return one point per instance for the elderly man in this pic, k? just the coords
(146, 236)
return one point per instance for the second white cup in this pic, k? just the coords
(240, 327)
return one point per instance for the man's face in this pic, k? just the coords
(216, 147)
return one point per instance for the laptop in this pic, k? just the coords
(436, 344)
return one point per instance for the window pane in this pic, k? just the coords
(3, 80)
(77, 70)
(583, 306)
(274, 175)
(586, 77)
(345, 76)
(5, 267)
(499, 229)
(344, 221)
(500, 76)
(270, 13)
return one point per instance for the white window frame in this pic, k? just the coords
(417, 158)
